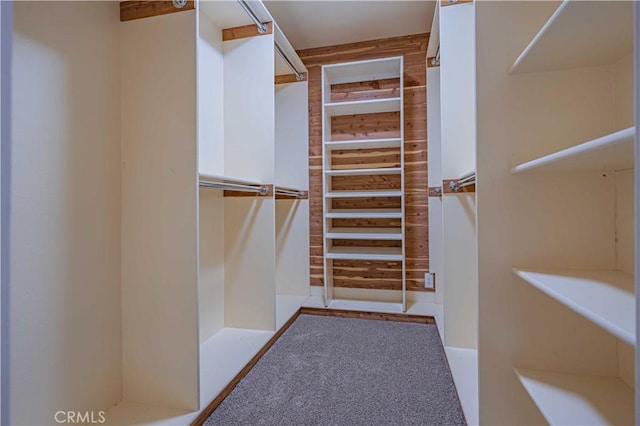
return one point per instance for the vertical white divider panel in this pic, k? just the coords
(159, 211)
(326, 187)
(249, 126)
(636, 9)
(291, 170)
(64, 194)
(457, 50)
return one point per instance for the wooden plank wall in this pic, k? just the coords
(360, 274)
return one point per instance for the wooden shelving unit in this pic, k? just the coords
(356, 193)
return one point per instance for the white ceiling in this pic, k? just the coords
(325, 23)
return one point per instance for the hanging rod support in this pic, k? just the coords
(299, 76)
(262, 26)
(262, 190)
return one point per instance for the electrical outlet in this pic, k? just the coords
(429, 280)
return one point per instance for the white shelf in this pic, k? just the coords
(603, 297)
(361, 172)
(365, 253)
(574, 399)
(580, 34)
(360, 71)
(364, 194)
(365, 234)
(610, 152)
(371, 106)
(364, 214)
(364, 144)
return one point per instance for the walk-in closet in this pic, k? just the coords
(319, 212)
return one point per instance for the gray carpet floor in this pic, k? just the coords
(339, 371)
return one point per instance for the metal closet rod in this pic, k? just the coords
(262, 190)
(436, 59)
(298, 74)
(291, 192)
(466, 180)
(262, 28)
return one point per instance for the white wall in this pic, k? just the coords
(210, 97)
(211, 263)
(458, 133)
(249, 128)
(159, 211)
(291, 170)
(65, 196)
(458, 82)
(434, 148)
(292, 135)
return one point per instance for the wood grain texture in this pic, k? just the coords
(447, 189)
(245, 31)
(380, 316)
(365, 274)
(435, 191)
(204, 414)
(130, 10)
(289, 78)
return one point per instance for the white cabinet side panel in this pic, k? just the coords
(159, 211)
(210, 98)
(211, 265)
(65, 210)
(249, 117)
(461, 286)
(250, 262)
(624, 222)
(457, 76)
(292, 135)
(292, 247)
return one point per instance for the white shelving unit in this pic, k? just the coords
(567, 310)
(354, 72)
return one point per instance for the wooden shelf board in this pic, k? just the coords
(364, 194)
(364, 214)
(360, 172)
(364, 144)
(580, 34)
(361, 71)
(365, 233)
(575, 399)
(605, 297)
(365, 253)
(610, 152)
(370, 106)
